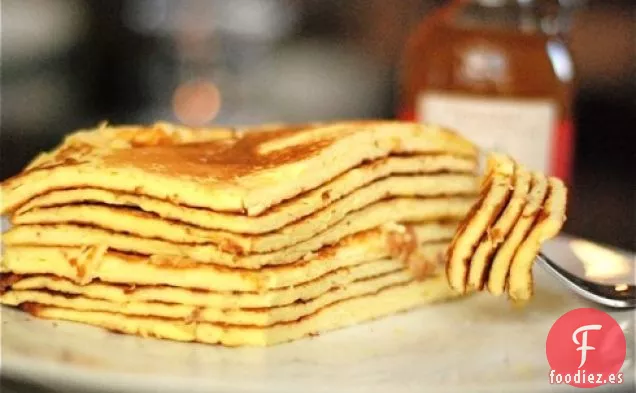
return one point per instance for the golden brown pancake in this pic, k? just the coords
(105, 139)
(392, 210)
(495, 235)
(240, 237)
(244, 172)
(147, 225)
(496, 188)
(125, 293)
(505, 253)
(547, 226)
(278, 216)
(513, 232)
(344, 313)
(85, 264)
(264, 316)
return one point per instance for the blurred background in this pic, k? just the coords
(69, 64)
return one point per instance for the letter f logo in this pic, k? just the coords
(583, 344)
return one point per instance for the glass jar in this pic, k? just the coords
(497, 71)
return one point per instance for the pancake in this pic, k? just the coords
(119, 293)
(105, 139)
(74, 264)
(387, 301)
(147, 225)
(496, 190)
(513, 232)
(265, 316)
(503, 257)
(276, 217)
(547, 226)
(239, 237)
(245, 172)
(391, 210)
(495, 235)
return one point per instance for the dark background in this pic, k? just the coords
(71, 64)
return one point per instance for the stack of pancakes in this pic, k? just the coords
(499, 239)
(240, 237)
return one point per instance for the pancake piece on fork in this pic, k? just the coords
(547, 226)
(498, 241)
(504, 255)
(495, 190)
(482, 258)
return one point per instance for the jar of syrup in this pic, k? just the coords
(498, 72)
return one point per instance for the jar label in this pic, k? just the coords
(523, 128)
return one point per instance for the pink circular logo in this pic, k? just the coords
(585, 348)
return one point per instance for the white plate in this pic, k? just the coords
(477, 344)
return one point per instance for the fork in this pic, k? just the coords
(618, 296)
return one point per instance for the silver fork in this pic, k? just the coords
(619, 296)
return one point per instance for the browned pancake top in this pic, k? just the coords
(85, 146)
(223, 159)
(218, 153)
(243, 171)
